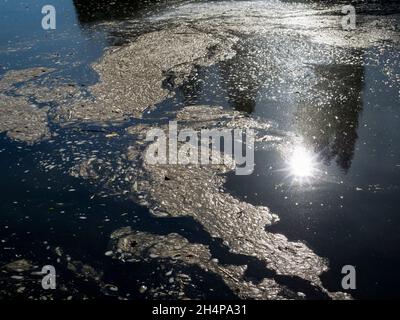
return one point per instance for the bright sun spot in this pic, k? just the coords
(302, 163)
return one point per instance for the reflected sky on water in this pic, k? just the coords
(334, 177)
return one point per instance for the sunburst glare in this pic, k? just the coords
(301, 164)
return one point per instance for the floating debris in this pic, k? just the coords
(21, 121)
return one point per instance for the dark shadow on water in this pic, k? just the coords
(101, 10)
(105, 10)
(330, 127)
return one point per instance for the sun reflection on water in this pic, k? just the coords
(301, 164)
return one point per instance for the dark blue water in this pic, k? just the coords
(348, 214)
